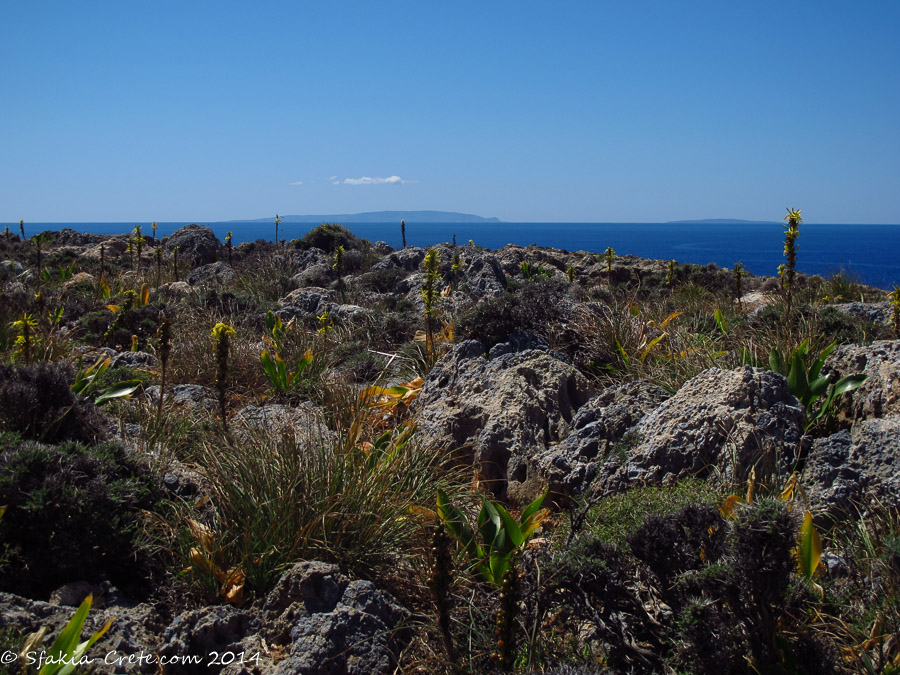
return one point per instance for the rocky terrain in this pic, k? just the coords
(286, 516)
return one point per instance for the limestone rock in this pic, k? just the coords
(500, 413)
(879, 395)
(217, 273)
(196, 243)
(718, 425)
(843, 470)
(597, 428)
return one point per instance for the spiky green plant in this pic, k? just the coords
(787, 271)
(153, 225)
(175, 250)
(158, 256)
(338, 266)
(221, 346)
(228, 246)
(894, 298)
(277, 223)
(403, 232)
(671, 269)
(737, 275)
(22, 229)
(138, 241)
(456, 266)
(164, 332)
(26, 338)
(571, 274)
(430, 294)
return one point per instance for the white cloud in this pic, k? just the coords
(296, 182)
(366, 180)
(333, 178)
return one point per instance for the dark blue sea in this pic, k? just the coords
(870, 253)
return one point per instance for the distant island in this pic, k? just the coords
(723, 221)
(384, 217)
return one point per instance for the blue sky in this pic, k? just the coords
(572, 111)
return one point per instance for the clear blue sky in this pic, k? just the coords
(569, 111)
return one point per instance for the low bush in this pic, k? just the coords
(534, 306)
(73, 514)
(36, 402)
(328, 237)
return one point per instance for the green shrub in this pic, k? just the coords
(72, 515)
(328, 237)
(616, 518)
(36, 402)
(536, 306)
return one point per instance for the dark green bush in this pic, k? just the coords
(72, 515)
(534, 306)
(36, 402)
(328, 237)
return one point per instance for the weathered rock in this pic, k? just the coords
(382, 248)
(596, 429)
(176, 290)
(500, 413)
(335, 625)
(217, 273)
(192, 396)
(483, 276)
(134, 630)
(847, 468)
(409, 259)
(79, 282)
(10, 269)
(200, 632)
(719, 425)
(109, 248)
(133, 360)
(196, 243)
(879, 395)
(871, 312)
(304, 422)
(304, 301)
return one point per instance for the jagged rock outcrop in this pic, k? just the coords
(193, 397)
(500, 413)
(844, 470)
(598, 428)
(879, 395)
(304, 422)
(215, 274)
(871, 312)
(196, 243)
(323, 621)
(718, 425)
(334, 625)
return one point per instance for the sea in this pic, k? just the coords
(869, 254)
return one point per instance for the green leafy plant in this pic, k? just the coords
(894, 298)
(532, 272)
(87, 379)
(671, 270)
(228, 246)
(221, 347)
(277, 372)
(737, 275)
(26, 339)
(807, 384)
(67, 651)
(501, 536)
(338, 266)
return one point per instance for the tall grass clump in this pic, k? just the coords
(321, 495)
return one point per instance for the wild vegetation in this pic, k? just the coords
(276, 391)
